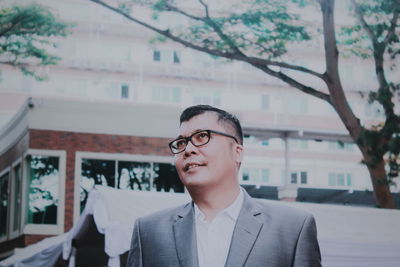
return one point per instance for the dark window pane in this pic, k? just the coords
(43, 178)
(332, 179)
(135, 175)
(124, 91)
(340, 179)
(176, 57)
(96, 172)
(349, 180)
(265, 142)
(156, 55)
(303, 177)
(246, 175)
(4, 180)
(293, 177)
(166, 178)
(17, 197)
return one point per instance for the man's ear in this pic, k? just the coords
(238, 150)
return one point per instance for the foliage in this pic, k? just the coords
(261, 32)
(26, 33)
(376, 36)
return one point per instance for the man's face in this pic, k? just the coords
(213, 164)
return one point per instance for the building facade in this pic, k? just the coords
(108, 110)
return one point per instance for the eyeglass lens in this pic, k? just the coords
(197, 139)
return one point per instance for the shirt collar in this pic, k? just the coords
(232, 210)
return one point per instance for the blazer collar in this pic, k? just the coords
(245, 234)
(185, 237)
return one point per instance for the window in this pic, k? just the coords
(43, 189)
(298, 177)
(4, 193)
(265, 142)
(252, 140)
(295, 105)
(265, 175)
(341, 146)
(349, 179)
(125, 91)
(95, 172)
(256, 175)
(166, 94)
(293, 178)
(303, 177)
(156, 55)
(166, 56)
(297, 143)
(206, 97)
(176, 57)
(45, 176)
(340, 179)
(16, 199)
(113, 90)
(128, 175)
(10, 202)
(246, 175)
(332, 179)
(265, 102)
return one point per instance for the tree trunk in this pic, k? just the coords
(383, 196)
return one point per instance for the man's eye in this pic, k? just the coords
(201, 136)
(180, 143)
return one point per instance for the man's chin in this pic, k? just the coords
(194, 181)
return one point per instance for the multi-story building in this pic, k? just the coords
(108, 109)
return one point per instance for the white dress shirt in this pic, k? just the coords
(214, 237)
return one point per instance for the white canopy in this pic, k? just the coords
(348, 236)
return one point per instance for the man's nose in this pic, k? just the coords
(190, 149)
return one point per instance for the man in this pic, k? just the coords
(223, 226)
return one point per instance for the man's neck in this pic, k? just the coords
(211, 202)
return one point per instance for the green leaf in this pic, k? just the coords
(26, 32)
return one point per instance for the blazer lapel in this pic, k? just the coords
(245, 233)
(185, 237)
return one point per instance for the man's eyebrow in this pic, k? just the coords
(195, 131)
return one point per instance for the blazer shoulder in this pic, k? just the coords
(166, 215)
(282, 211)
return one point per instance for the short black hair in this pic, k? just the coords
(223, 116)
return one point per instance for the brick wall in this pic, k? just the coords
(73, 141)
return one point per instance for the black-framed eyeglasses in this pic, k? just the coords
(199, 138)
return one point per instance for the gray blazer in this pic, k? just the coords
(265, 235)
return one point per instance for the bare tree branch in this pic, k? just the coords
(209, 21)
(282, 65)
(205, 8)
(204, 49)
(165, 33)
(258, 63)
(292, 82)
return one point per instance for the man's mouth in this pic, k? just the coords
(190, 166)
